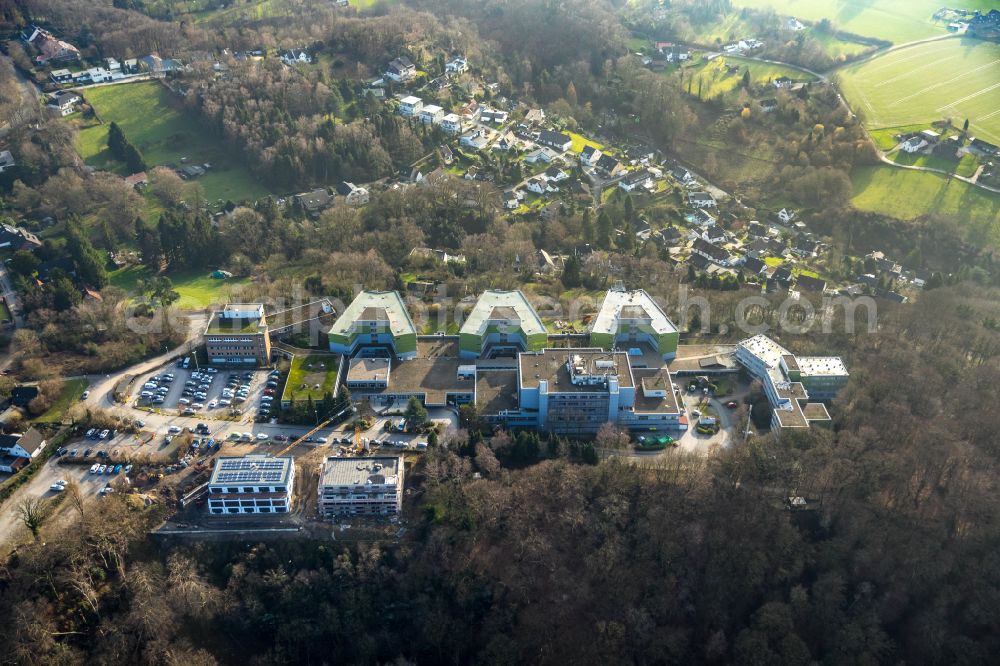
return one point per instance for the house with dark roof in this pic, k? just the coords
(556, 140)
(810, 284)
(17, 238)
(636, 179)
(590, 156)
(20, 396)
(609, 165)
(401, 69)
(805, 247)
(753, 266)
(984, 148)
(712, 252)
(701, 200)
(315, 201)
(683, 176)
(714, 234)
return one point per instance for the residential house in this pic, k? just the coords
(557, 140)
(590, 156)
(401, 69)
(536, 185)
(794, 24)
(699, 261)
(6, 161)
(683, 176)
(17, 450)
(477, 138)
(17, 238)
(154, 64)
(913, 145)
(609, 166)
(768, 105)
(756, 230)
(352, 194)
(701, 217)
(534, 117)
(506, 142)
(701, 200)
(456, 65)
(451, 124)
(782, 82)
(512, 199)
(494, 116)
(786, 215)
(805, 247)
(20, 396)
(61, 76)
(676, 54)
(810, 284)
(781, 278)
(410, 106)
(296, 56)
(63, 103)
(712, 252)
(137, 180)
(471, 110)
(314, 202)
(670, 236)
(554, 173)
(634, 179)
(546, 155)
(753, 266)
(447, 157)
(51, 49)
(411, 175)
(431, 114)
(714, 234)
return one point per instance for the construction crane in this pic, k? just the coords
(296, 442)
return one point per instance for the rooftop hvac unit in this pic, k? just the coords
(605, 365)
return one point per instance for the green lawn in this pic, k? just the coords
(714, 78)
(964, 167)
(5, 315)
(954, 78)
(71, 391)
(164, 133)
(835, 47)
(909, 194)
(580, 142)
(311, 370)
(898, 21)
(197, 290)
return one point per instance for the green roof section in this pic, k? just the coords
(497, 309)
(381, 306)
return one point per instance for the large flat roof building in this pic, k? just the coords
(790, 380)
(251, 484)
(238, 335)
(374, 323)
(627, 318)
(361, 486)
(501, 323)
(576, 391)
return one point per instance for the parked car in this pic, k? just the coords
(94, 468)
(141, 424)
(128, 469)
(58, 487)
(321, 440)
(118, 468)
(100, 470)
(104, 434)
(173, 429)
(261, 436)
(85, 395)
(732, 404)
(91, 433)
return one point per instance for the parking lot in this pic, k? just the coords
(208, 393)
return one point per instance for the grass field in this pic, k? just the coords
(715, 80)
(197, 290)
(909, 194)
(898, 21)
(310, 370)
(580, 142)
(163, 133)
(71, 391)
(954, 78)
(5, 315)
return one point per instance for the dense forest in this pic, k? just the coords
(547, 559)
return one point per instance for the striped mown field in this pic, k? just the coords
(954, 78)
